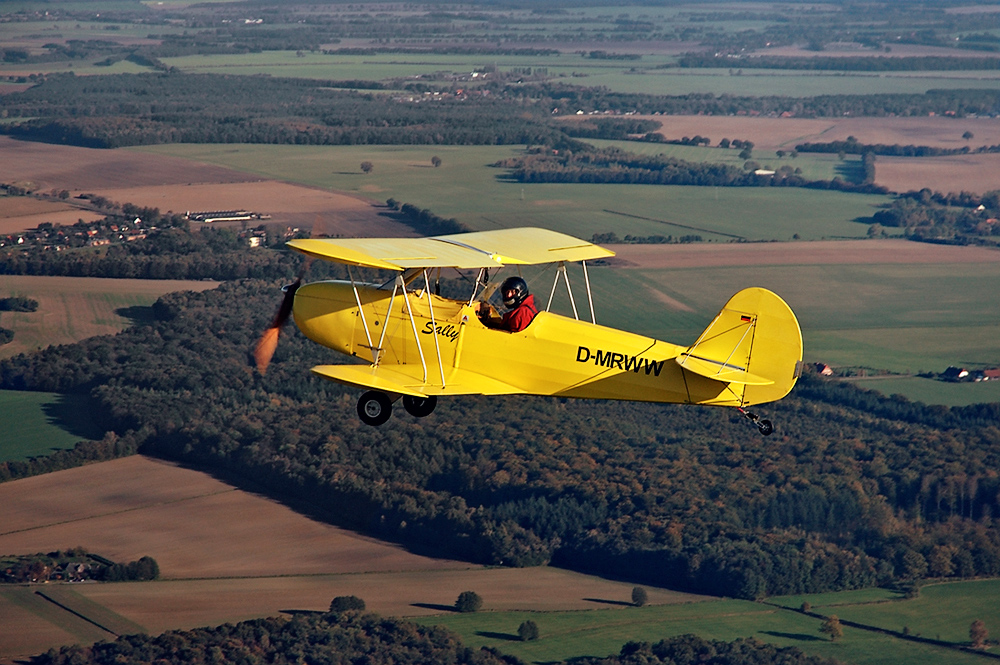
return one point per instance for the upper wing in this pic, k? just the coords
(481, 249)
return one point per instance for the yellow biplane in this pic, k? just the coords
(419, 345)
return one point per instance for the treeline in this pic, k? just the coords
(171, 253)
(425, 221)
(355, 637)
(612, 165)
(122, 110)
(854, 490)
(864, 63)
(941, 102)
(610, 128)
(855, 147)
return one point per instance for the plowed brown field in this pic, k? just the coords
(179, 185)
(228, 555)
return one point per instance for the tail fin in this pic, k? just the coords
(754, 345)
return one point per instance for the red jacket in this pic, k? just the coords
(518, 318)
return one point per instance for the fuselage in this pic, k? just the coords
(555, 355)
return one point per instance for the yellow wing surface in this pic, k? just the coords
(481, 249)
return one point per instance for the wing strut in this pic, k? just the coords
(561, 270)
(590, 296)
(376, 351)
(437, 342)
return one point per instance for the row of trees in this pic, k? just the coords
(612, 165)
(352, 637)
(862, 63)
(664, 495)
(854, 147)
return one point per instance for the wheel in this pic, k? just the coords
(419, 406)
(374, 408)
(765, 427)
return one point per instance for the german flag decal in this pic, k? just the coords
(746, 319)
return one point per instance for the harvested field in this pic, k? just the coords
(241, 556)
(20, 213)
(48, 166)
(770, 134)
(181, 185)
(192, 524)
(285, 203)
(830, 252)
(75, 308)
(957, 173)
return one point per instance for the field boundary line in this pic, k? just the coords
(683, 226)
(892, 633)
(119, 512)
(75, 613)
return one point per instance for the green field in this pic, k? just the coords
(645, 76)
(34, 424)
(468, 188)
(936, 392)
(566, 635)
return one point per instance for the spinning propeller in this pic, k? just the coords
(268, 342)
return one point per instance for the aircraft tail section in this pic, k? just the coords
(754, 344)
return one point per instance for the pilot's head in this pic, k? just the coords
(513, 291)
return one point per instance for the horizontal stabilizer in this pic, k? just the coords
(720, 371)
(408, 380)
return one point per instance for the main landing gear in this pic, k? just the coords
(764, 426)
(375, 407)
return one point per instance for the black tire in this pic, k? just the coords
(765, 427)
(419, 406)
(374, 408)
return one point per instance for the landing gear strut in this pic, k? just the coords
(764, 426)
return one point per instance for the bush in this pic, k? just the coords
(17, 304)
(346, 603)
(528, 630)
(639, 596)
(468, 601)
(6, 336)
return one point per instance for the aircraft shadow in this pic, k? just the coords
(793, 636)
(605, 601)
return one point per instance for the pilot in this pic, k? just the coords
(520, 305)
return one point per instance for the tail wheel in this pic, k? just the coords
(419, 406)
(374, 408)
(765, 427)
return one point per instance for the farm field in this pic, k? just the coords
(74, 308)
(468, 188)
(645, 76)
(35, 424)
(205, 535)
(18, 213)
(930, 391)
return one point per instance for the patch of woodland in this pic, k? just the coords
(854, 490)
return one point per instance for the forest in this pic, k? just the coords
(142, 109)
(354, 637)
(855, 489)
